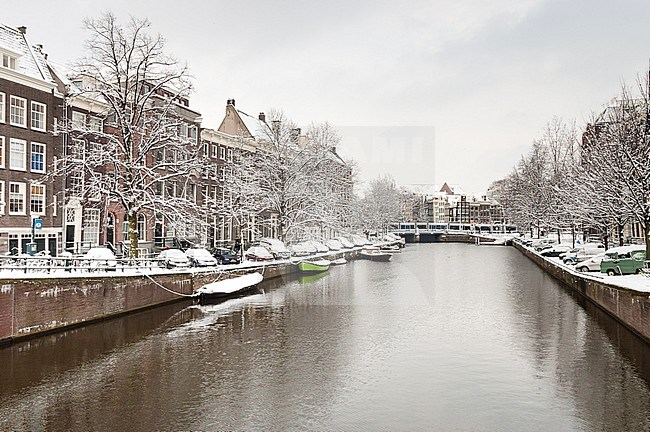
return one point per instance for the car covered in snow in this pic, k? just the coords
(173, 258)
(276, 247)
(333, 245)
(347, 244)
(590, 264)
(200, 257)
(258, 253)
(623, 260)
(557, 250)
(100, 257)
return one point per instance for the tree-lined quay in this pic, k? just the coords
(595, 182)
(108, 151)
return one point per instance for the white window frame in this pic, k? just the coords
(13, 99)
(22, 190)
(91, 226)
(41, 200)
(39, 116)
(222, 152)
(3, 107)
(96, 124)
(2, 197)
(214, 151)
(31, 158)
(229, 154)
(9, 61)
(12, 160)
(79, 120)
(3, 153)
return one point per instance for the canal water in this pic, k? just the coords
(446, 337)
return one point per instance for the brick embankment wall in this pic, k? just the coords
(631, 308)
(35, 306)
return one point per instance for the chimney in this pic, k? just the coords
(22, 29)
(39, 47)
(262, 117)
(230, 102)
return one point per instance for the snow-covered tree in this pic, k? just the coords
(291, 179)
(149, 154)
(615, 160)
(381, 204)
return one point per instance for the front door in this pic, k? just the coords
(110, 230)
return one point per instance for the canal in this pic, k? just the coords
(446, 337)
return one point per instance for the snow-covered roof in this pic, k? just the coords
(31, 60)
(253, 124)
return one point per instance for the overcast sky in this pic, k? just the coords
(428, 91)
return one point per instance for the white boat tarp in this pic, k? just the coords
(228, 286)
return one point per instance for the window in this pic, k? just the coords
(37, 199)
(222, 152)
(77, 149)
(142, 228)
(2, 152)
(192, 133)
(17, 154)
(38, 157)
(97, 151)
(17, 111)
(2, 107)
(9, 61)
(96, 124)
(214, 151)
(38, 120)
(17, 198)
(91, 226)
(78, 120)
(2, 197)
(230, 154)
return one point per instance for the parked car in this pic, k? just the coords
(225, 256)
(333, 245)
(320, 247)
(276, 247)
(347, 244)
(200, 257)
(590, 264)
(545, 243)
(555, 251)
(258, 253)
(173, 258)
(300, 250)
(581, 254)
(357, 240)
(623, 260)
(100, 257)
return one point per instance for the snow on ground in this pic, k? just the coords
(635, 282)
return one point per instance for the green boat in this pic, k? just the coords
(313, 266)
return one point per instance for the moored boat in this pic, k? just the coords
(229, 287)
(339, 261)
(374, 254)
(316, 266)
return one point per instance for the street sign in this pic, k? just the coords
(38, 223)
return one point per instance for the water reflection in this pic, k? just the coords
(445, 337)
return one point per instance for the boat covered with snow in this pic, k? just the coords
(229, 287)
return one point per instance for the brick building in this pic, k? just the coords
(30, 107)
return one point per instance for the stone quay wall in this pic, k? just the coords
(631, 308)
(38, 305)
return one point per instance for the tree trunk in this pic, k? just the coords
(619, 228)
(646, 230)
(133, 235)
